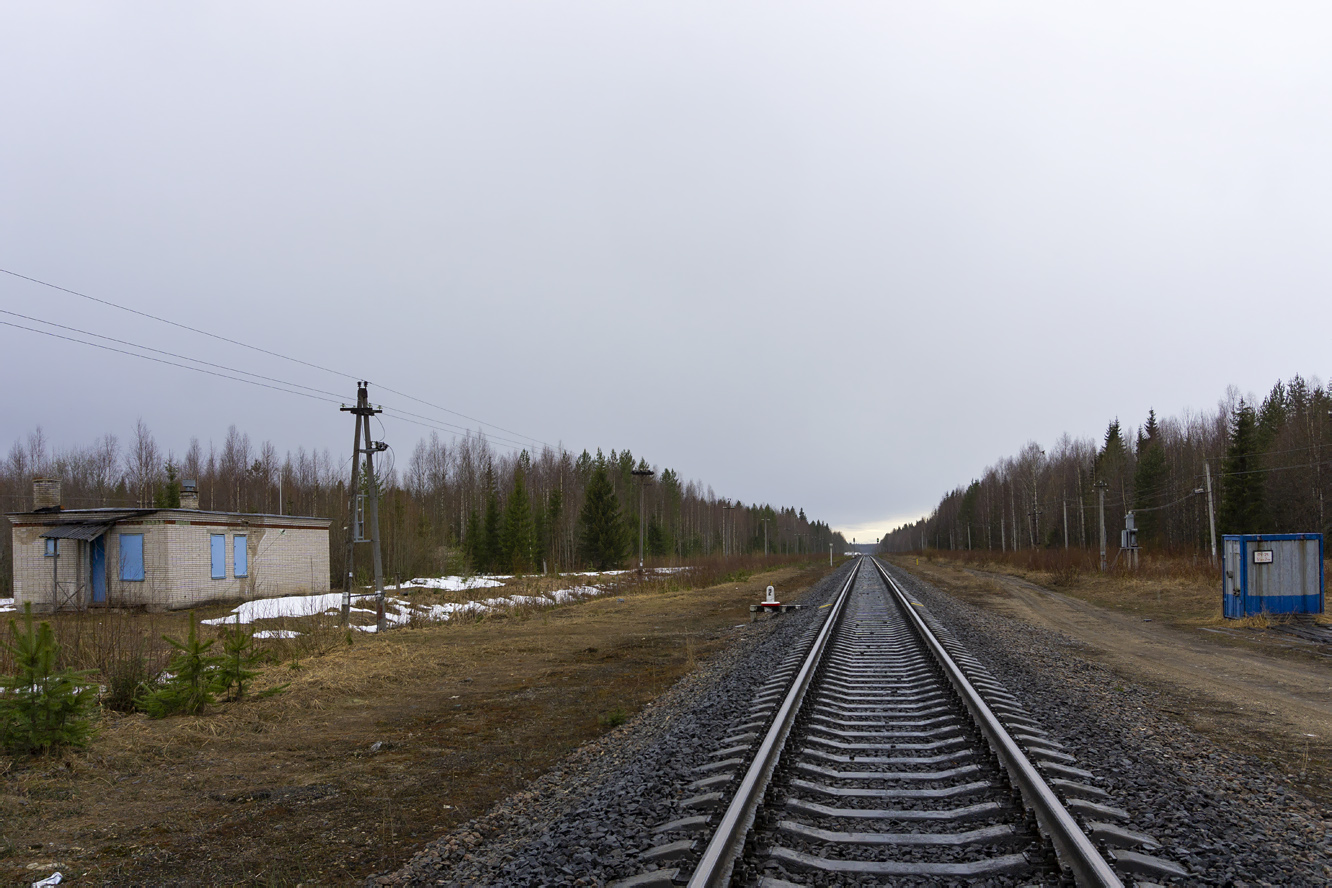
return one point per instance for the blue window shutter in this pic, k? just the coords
(240, 560)
(217, 543)
(131, 557)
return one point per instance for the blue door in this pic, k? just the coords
(98, 579)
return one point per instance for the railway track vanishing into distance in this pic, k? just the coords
(880, 751)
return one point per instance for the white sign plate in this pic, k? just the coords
(1262, 556)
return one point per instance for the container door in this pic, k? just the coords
(97, 564)
(1232, 563)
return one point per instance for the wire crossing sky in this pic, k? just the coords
(839, 256)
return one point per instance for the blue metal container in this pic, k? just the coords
(1272, 573)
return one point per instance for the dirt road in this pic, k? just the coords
(1261, 695)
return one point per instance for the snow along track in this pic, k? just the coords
(883, 761)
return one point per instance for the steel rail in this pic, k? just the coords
(728, 842)
(1072, 847)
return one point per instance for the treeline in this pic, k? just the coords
(451, 506)
(1270, 465)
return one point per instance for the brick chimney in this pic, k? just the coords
(189, 494)
(45, 494)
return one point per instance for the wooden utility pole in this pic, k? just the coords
(353, 528)
(765, 536)
(363, 411)
(1066, 522)
(1211, 512)
(1100, 492)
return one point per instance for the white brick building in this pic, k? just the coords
(163, 558)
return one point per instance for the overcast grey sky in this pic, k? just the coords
(830, 255)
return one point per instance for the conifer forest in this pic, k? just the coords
(448, 506)
(1269, 461)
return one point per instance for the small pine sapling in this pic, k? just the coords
(235, 667)
(42, 707)
(189, 687)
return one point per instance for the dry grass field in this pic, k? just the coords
(377, 746)
(1182, 590)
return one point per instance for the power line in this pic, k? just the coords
(424, 422)
(255, 348)
(176, 324)
(441, 426)
(168, 363)
(162, 352)
(427, 422)
(456, 413)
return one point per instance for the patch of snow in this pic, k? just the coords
(440, 612)
(529, 600)
(286, 606)
(6, 605)
(450, 584)
(397, 611)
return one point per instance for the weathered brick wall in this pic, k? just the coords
(32, 569)
(288, 558)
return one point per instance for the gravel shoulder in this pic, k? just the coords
(1202, 742)
(1259, 697)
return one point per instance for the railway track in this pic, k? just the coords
(890, 756)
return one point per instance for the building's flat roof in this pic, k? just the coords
(109, 515)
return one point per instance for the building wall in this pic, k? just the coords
(32, 568)
(286, 556)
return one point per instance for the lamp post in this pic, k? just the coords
(1035, 502)
(643, 475)
(725, 509)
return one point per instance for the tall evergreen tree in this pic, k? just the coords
(472, 548)
(519, 535)
(168, 496)
(1272, 414)
(601, 527)
(1113, 449)
(1150, 481)
(546, 518)
(1241, 478)
(658, 539)
(492, 547)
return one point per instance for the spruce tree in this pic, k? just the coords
(519, 535)
(601, 528)
(472, 542)
(1272, 414)
(42, 707)
(554, 509)
(492, 550)
(235, 668)
(540, 533)
(1241, 476)
(1149, 481)
(193, 676)
(658, 540)
(168, 497)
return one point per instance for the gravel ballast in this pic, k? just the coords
(589, 820)
(1229, 818)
